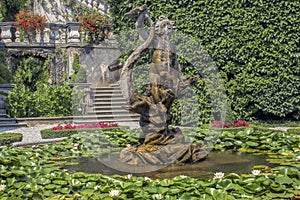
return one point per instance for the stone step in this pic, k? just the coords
(114, 110)
(109, 95)
(2, 112)
(2, 97)
(105, 88)
(110, 120)
(113, 100)
(3, 116)
(8, 121)
(4, 127)
(2, 105)
(110, 112)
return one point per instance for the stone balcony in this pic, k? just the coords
(54, 34)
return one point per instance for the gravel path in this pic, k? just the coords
(31, 135)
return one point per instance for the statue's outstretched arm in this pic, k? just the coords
(143, 34)
(140, 14)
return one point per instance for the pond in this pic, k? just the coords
(217, 161)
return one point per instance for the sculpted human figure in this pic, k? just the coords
(159, 144)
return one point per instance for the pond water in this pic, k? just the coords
(218, 161)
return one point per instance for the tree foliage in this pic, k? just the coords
(33, 96)
(254, 44)
(9, 8)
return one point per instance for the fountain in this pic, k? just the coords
(160, 144)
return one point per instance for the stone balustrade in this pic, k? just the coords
(54, 33)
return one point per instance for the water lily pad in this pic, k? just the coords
(283, 180)
(252, 144)
(253, 187)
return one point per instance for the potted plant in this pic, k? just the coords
(94, 25)
(30, 23)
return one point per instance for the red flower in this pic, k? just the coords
(30, 21)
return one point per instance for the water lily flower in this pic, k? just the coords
(147, 178)
(255, 172)
(97, 187)
(129, 176)
(157, 196)
(218, 175)
(75, 146)
(298, 158)
(114, 193)
(183, 176)
(2, 187)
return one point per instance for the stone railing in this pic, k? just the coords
(54, 33)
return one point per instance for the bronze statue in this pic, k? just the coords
(159, 144)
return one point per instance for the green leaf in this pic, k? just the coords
(283, 180)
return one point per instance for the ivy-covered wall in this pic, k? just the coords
(255, 45)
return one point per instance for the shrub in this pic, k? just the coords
(8, 138)
(5, 75)
(50, 133)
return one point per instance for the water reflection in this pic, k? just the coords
(218, 161)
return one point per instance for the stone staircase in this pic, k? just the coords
(108, 105)
(7, 123)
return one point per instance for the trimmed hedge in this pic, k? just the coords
(254, 44)
(8, 138)
(49, 133)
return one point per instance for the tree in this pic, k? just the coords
(9, 8)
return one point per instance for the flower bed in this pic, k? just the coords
(67, 130)
(89, 125)
(8, 138)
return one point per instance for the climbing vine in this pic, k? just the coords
(254, 44)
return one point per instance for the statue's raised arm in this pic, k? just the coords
(140, 14)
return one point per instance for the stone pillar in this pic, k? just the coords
(6, 34)
(54, 33)
(74, 35)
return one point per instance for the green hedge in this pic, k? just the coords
(254, 44)
(49, 133)
(8, 138)
(294, 131)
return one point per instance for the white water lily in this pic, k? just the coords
(2, 187)
(75, 146)
(147, 178)
(114, 193)
(218, 175)
(183, 176)
(298, 158)
(97, 187)
(255, 172)
(129, 176)
(157, 196)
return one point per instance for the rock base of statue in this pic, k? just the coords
(159, 144)
(163, 154)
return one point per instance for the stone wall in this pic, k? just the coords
(96, 61)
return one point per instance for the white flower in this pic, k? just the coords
(147, 178)
(255, 172)
(2, 187)
(298, 158)
(183, 176)
(218, 175)
(129, 176)
(157, 196)
(97, 187)
(128, 145)
(114, 193)
(75, 146)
